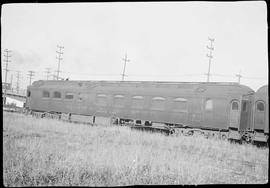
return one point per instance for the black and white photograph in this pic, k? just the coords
(105, 94)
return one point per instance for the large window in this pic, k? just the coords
(235, 105)
(209, 104)
(180, 104)
(57, 94)
(158, 103)
(46, 94)
(69, 96)
(260, 106)
(101, 99)
(137, 101)
(119, 100)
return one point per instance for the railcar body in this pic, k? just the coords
(212, 106)
(260, 116)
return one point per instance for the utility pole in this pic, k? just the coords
(125, 60)
(211, 48)
(239, 76)
(59, 59)
(48, 73)
(6, 55)
(31, 74)
(18, 82)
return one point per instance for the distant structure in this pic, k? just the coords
(211, 48)
(31, 74)
(239, 76)
(125, 60)
(18, 82)
(11, 81)
(59, 59)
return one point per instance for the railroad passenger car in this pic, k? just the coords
(260, 116)
(223, 107)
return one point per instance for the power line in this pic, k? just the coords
(59, 59)
(48, 72)
(125, 60)
(31, 74)
(211, 48)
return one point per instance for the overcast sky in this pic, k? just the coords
(165, 41)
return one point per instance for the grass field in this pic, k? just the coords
(50, 152)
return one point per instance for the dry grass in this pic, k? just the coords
(49, 152)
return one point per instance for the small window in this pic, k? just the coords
(28, 93)
(69, 96)
(119, 100)
(180, 104)
(101, 99)
(159, 98)
(180, 100)
(209, 104)
(137, 101)
(101, 95)
(260, 106)
(137, 97)
(118, 96)
(158, 103)
(46, 94)
(235, 105)
(57, 94)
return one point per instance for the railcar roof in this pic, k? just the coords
(53, 82)
(263, 89)
(198, 86)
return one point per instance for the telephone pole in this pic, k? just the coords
(125, 60)
(6, 55)
(211, 48)
(18, 82)
(31, 74)
(48, 73)
(239, 76)
(59, 59)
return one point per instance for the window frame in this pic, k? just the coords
(57, 98)
(137, 98)
(101, 96)
(244, 106)
(206, 108)
(160, 99)
(238, 105)
(256, 106)
(69, 94)
(176, 104)
(45, 91)
(121, 99)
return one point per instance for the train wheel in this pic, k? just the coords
(190, 133)
(172, 131)
(223, 137)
